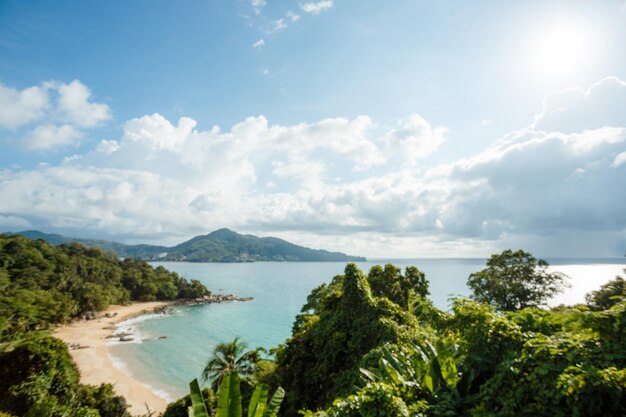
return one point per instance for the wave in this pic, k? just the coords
(132, 327)
(120, 365)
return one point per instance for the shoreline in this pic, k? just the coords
(88, 344)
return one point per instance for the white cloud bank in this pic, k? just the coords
(345, 184)
(51, 115)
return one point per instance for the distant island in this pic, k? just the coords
(223, 245)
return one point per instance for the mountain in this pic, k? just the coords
(122, 250)
(223, 245)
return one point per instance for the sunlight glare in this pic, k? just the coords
(562, 50)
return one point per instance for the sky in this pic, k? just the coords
(397, 129)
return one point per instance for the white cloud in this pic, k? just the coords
(343, 183)
(108, 146)
(576, 109)
(546, 183)
(156, 131)
(487, 122)
(258, 44)
(316, 8)
(18, 108)
(52, 115)
(46, 137)
(414, 139)
(75, 105)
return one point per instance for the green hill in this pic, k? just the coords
(222, 245)
(42, 284)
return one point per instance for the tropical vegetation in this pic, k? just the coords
(229, 357)
(359, 349)
(229, 400)
(365, 344)
(42, 286)
(514, 281)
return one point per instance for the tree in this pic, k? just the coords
(319, 362)
(515, 280)
(228, 357)
(389, 282)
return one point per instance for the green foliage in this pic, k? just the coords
(180, 408)
(419, 373)
(608, 295)
(265, 373)
(484, 337)
(477, 360)
(38, 371)
(229, 396)
(198, 406)
(390, 283)
(38, 378)
(272, 409)
(103, 399)
(229, 400)
(259, 407)
(320, 361)
(42, 285)
(375, 399)
(229, 357)
(590, 391)
(514, 280)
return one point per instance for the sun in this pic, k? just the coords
(564, 48)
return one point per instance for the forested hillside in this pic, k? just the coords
(42, 284)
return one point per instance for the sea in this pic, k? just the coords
(170, 350)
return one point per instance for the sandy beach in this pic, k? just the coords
(93, 358)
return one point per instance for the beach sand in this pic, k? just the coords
(94, 362)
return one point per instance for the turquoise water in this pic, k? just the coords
(279, 291)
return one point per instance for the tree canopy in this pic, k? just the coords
(515, 280)
(42, 284)
(39, 378)
(229, 357)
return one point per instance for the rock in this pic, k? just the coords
(126, 339)
(90, 315)
(213, 298)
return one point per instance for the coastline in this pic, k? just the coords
(92, 357)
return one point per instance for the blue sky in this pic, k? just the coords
(388, 129)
